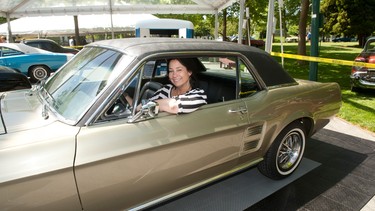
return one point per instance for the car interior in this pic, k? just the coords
(216, 76)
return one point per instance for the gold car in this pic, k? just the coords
(74, 143)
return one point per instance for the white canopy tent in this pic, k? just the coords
(88, 24)
(34, 8)
(23, 8)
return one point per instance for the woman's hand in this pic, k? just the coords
(169, 105)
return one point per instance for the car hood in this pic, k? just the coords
(21, 110)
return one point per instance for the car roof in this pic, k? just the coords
(23, 48)
(38, 40)
(140, 46)
(268, 68)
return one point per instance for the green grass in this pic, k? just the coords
(357, 108)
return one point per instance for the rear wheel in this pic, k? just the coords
(38, 73)
(285, 153)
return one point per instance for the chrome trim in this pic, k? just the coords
(195, 186)
(283, 85)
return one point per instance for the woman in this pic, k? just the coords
(181, 96)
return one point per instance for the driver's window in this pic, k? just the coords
(149, 78)
(122, 107)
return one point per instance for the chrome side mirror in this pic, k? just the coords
(148, 110)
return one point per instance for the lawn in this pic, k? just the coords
(357, 108)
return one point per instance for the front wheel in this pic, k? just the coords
(285, 153)
(38, 73)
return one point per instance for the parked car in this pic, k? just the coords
(343, 39)
(33, 62)
(254, 42)
(291, 39)
(49, 45)
(364, 77)
(75, 143)
(12, 80)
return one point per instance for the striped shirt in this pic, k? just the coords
(187, 103)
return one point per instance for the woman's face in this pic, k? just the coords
(178, 74)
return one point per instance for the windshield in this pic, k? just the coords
(73, 89)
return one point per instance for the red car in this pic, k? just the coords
(364, 77)
(253, 41)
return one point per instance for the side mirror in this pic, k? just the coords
(148, 110)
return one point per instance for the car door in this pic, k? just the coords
(120, 164)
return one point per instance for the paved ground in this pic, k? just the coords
(345, 179)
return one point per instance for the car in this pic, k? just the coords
(75, 143)
(254, 42)
(361, 77)
(343, 39)
(12, 80)
(33, 62)
(291, 39)
(49, 45)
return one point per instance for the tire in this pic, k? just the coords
(285, 153)
(354, 89)
(39, 72)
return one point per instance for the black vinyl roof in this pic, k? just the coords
(268, 68)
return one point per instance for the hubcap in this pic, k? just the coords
(289, 151)
(40, 73)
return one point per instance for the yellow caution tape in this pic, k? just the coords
(325, 60)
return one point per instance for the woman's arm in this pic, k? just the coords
(169, 105)
(185, 103)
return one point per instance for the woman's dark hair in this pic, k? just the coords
(193, 65)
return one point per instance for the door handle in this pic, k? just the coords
(239, 110)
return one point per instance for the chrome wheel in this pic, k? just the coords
(285, 153)
(290, 150)
(38, 73)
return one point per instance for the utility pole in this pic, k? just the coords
(313, 73)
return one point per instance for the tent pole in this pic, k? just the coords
(76, 30)
(111, 13)
(9, 34)
(216, 25)
(240, 21)
(269, 36)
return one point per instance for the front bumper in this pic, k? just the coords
(363, 81)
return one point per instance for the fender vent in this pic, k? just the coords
(254, 130)
(250, 145)
(252, 138)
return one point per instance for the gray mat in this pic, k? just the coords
(238, 192)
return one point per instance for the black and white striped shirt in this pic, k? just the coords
(187, 103)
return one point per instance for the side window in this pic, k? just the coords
(248, 85)
(35, 45)
(48, 47)
(10, 52)
(155, 69)
(218, 79)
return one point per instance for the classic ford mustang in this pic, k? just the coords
(75, 143)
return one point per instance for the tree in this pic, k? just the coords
(302, 27)
(349, 18)
(3, 20)
(291, 16)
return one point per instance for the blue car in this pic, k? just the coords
(33, 62)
